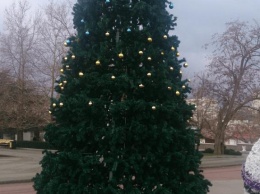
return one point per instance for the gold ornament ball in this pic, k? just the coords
(65, 58)
(97, 62)
(171, 68)
(90, 103)
(165, 37)
(183, 87)
(65, 44)
(141, 52)
(61, 70)
(60, 84)
(81, 74)
(149, 74)
(162, 53)
(62, 88)
(73, 56)
(141, 86)
(154, 107)
(121, 55)
(61, 104)
(54, 104)
(67, 66)
(113, 77)
(65, 81)
(185, 65)
(49, 111)
(180, 71)
(149, 58)
(172, 48)
(169, 88)
(107, 34)
(178, 93)
(150, 39)
(178, 54)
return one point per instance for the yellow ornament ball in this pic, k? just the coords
(162, 53)
(61, 70)
(165, 37)
(121, 55)
(81, 74)
(178, 54)
(178, 93)
(141, 52)
(97, 62)
(172, 48)
(150, 39)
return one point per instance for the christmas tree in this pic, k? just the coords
(121, 119)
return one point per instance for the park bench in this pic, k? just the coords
(7, 142)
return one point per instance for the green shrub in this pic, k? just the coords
(208, 150)
(33, 144)
(232, 152)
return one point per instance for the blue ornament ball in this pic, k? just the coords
(87, 32)
(107, 1)
(67, 41)
(128, 30)
(171, 6)
(82, 21)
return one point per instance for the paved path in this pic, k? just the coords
(225, 180)
(17, 188)
(21, 165)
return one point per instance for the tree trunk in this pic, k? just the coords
(219, 142)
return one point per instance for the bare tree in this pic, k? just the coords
(232, 77)
(34, 112)
(19, 45)
(57, 26)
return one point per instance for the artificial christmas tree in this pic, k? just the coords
(121, 116)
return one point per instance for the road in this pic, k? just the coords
(226, 180)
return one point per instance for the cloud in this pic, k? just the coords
(199, 20)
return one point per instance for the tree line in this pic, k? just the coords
(31, 51)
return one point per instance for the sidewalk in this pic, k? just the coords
(21, 165)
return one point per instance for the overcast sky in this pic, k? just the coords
(197, 21)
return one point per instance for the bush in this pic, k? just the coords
(208, 151)
(232, 152)
(33, 144)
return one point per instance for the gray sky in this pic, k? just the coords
(197, 21)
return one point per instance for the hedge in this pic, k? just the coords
(33, 144)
